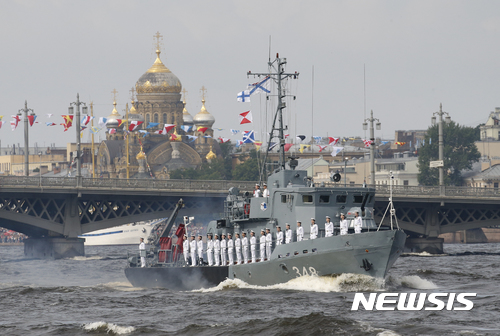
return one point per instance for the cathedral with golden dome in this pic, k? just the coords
(167, 138)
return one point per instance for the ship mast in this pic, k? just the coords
(278, 74)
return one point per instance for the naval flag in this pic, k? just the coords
(248, 137)
(245, 117)
(243, 96)
(262, 86)
(336, 150)
(332, 141)
(134, 124)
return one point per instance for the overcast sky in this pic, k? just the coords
(417, 54)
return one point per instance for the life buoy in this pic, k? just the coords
(246, 209)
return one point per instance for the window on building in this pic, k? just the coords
(341, 198)
(164, 118)
(405, 182)
(156, 118)
(148, 119)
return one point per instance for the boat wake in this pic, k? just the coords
(85, 258)
(108, 328)
(124, 286)
(342, 283)
(423, 254)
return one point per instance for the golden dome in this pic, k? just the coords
(112, 121)
(158, 79)
(211, 155)
(203, 118)
(132, 108)
(141, 155)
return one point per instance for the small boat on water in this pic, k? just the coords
(127, 234)
(369, 249)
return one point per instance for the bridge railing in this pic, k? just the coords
(24, 182)
(29, 182)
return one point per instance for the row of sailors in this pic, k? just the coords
(217, 249)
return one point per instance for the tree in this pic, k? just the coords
(459, 153)
(248, 170)
(217, 169)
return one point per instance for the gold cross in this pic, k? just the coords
(132, 93)
(114, 92)
(184, 93)
(158, 38)
(203, 91)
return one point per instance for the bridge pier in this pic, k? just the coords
(430, 245)
(54, 247)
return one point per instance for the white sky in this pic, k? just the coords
(416, 53)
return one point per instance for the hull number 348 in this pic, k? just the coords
(312, 271)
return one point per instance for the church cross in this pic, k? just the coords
(132, 93)
(114, 92)
(158, 38)
(203, 91)
(184, 94)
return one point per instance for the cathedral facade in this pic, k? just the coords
(168, 138)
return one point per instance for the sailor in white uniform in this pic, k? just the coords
(210, 250)
(200, 249)
(223, 245)
(217, 250)
(192, 248)
(237, 247)
(288, 234)
(265, 193)
(300, 231)
(185, 249)
(142, 252)
(279, 236)
(344, 225)
(244, 245)
(262, 245)
(269, 243)
(253, 246)
(328, 227)
(257, 192)
(357, 223)
(230, 249)
(314, 229)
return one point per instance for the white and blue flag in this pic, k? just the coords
(243, 96)
(262, 86)
(248, 136)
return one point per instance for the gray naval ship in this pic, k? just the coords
(292, 197)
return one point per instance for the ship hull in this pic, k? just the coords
(370, 253)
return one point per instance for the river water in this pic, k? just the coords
(91, 296)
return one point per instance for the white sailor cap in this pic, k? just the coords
(313, 219)
(262, 230)
(268, 229)
(224, 234)
(209, 234)
(265, 184)
(244, 232)
(327, 216)
(192, 234)
(252, 231)
(229, 234)
(199, 235)
(186, 235)
(216, 235)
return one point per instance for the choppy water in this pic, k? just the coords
(91, 296)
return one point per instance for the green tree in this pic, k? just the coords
(217, 169)
(459, 153)
(248, 170)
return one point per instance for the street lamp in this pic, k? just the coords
(26, 142)
(440, 142)
(78, 156)
(40, 167)
(372, 144)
